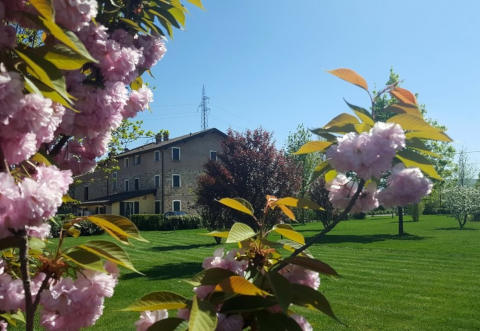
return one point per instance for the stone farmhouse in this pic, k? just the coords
(153, 179)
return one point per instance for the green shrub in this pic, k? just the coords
(86, 228)
(149, 222)
(359, 216)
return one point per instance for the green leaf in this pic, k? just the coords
(212, 276)
(308, 297)
(240, 232)
(298, 203)
(325, 134)
(158, 300)
(119, 227)
(45, 72)
(419, 146)
(410, 122)
(247, 303)
(281, 288)
(197, 3)
(432, 134)
(239, 285)
(63, 57)
(289, 234)
(45, 8)
(401, 108)
(169, 324)
(275, 321)
(322, 167)
(342, 120)
(31, 87)
(239, 204)
(36, 244)
(291, 246)
(202, 316)
(109, 251)
(133, 24)
(49, 93)
(41, 159)
(412, 159)
(84, 259)
(178, 14)
(312, 264)
(313, 146)
(362, 113)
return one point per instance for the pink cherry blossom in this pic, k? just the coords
(11, 87)
(342, 189)
(73, 14)
(229, 261)
(41, 231)
(137, 101)
(184, 313)
(405, 186)
(148, 318)
(299, 275)
(153, 49)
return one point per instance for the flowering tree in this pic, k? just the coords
(463, 202)
(70, 72)
(259, 285)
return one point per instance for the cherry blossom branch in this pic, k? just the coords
(30, 312)
(42, 287)
(58, 147)
(326, 229)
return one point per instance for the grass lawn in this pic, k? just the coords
(427, 281)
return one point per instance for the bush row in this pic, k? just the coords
(148, 222)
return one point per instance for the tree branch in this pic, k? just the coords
(30, 313)
(58, 147)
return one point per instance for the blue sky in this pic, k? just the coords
(263, 63)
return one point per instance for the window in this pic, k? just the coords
(176, 205)
(137, 184)
(114, 181)
(176, 181)
(85, 193)
(125, 162)
(138, 159)
(126, 185)
(157, 155)
(157, 181)
(176, 153)
(213, 155)
(128, 208)
(100, 210)
(157, 206)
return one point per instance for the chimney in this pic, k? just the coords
(158, 138)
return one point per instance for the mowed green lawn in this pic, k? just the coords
(430, 280)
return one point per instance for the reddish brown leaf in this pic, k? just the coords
(350, 76)
(404, 95)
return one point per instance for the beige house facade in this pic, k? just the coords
(153, 179)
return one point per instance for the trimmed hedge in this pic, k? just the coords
(158, 222)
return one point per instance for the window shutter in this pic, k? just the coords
(137, 207)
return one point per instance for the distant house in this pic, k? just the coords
(153, 178)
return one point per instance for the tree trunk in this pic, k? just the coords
(400, 221)
(463, 222)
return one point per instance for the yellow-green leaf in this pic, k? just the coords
(341, 121)
(322, 167)
(45, 8)
(158, 300)
(68, 199)
(289, 234)
(298, 203)
(362, 114)
(312, 264)
(64, 58)
(240, 232)
(202, 316)
(330, 175)
(197, 3)
(84, 259)
(119, 227)
(220, 234)
(237, 205)
(433, 134)
(109, 251)
(411, 159)
(239, 285)
(313, 146)
(41, 159)
(137, 83)
(287, 212)
(404, 109)
(410, 122)
(350, 76)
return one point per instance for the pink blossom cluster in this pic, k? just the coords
(299, 275)
(70, 305)
(29, 202)
(74, 14)
(148, 318)
(26, 121)
(302, 322)
(12, 295)
(405, 186)
(341, 190)
(224, 261)
(367, 154)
